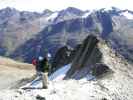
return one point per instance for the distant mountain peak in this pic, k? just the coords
(72, 8)
(115, 8)
(126, 13)
(8, 10)
(47, 11)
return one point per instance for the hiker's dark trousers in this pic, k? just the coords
(44, 78)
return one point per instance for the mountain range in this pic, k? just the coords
(92, 54)
(26, 35)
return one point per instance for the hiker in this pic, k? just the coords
(42, 69)
(46, 68)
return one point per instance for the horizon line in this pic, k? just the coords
(63, 9)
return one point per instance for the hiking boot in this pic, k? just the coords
(45, 87)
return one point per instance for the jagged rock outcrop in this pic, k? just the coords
(62, 57)
(88, 54)
(92, 53)
(118, 82)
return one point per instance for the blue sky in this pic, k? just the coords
(40, 5)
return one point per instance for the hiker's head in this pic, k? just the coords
(40, 58)
(45, 59)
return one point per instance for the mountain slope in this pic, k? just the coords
(116, 85)
(12, 72)
(68, 32)
(17, 27)
(37, 33)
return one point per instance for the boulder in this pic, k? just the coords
(99, 69)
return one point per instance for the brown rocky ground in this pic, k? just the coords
(12, 72)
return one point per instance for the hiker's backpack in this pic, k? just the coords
(34, 62)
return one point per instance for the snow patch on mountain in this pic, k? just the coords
(112, 8)
(127, 15)
(56, 76)
(86, 14)
(52, 16)
(61, 73)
